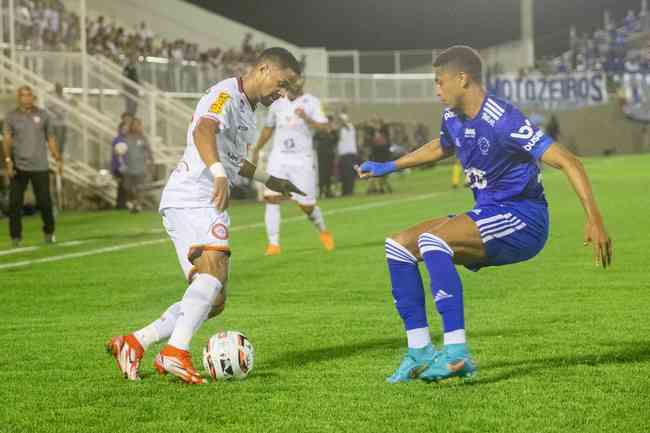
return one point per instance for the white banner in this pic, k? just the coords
(551, 92)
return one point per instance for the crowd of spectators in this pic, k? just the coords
(345, 144)
(48, 25)
(608, 49)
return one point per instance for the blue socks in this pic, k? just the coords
(446, 286)
(408, 293)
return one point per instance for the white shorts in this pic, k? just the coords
(303, 176)
(189, 227)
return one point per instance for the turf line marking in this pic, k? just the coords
(17, 250)
(34, 248)
(233, 229)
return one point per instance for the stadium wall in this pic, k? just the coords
(589, 131)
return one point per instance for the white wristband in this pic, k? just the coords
(217, 170)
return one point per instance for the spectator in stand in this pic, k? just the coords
(136, 159)
(325, 141)
(118, 161)
(130, 92)
(421, 134)
(630, 23)
(348, 154)
(379, 140)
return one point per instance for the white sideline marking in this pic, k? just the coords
(18, 250)
(236, 228)
(34, 248)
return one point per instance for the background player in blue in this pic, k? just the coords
(499, 149)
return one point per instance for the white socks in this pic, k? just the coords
(272, 220)
(159, 329)
(454, 337)
(194, 309)
(316, 217)
(418, 338)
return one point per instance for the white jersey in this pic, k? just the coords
(293, 139)
(191, 184)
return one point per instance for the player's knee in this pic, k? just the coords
(273, 199)
(214, 263)
(433, 242)
(219, 304)
(308, 209)
(397, 250)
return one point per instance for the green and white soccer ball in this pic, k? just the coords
(227, 355)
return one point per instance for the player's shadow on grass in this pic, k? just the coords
(303, 357)
(625, 354)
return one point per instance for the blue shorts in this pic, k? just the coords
(511, 232)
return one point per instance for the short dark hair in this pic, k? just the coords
(281, 57)
(465, 59)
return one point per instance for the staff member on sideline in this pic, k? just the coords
(28, 134)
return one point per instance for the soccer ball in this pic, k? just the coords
(228, 354)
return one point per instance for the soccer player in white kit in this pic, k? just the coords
(294, 119)
(194, 210)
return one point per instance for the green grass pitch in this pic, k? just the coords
(561, 345)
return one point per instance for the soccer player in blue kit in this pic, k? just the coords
(499, 150)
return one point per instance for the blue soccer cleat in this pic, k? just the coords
(414, 362)
(453, 361)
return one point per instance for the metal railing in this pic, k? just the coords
(165, 119)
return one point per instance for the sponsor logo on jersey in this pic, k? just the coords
(470, 133)
(448, 115)
(484, 145)
(242, 128)
(488, 119)
(234, 157)
(219, 231)
(219, 103)
(533, 141)
(475, 178)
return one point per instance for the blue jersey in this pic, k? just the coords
(499, 150)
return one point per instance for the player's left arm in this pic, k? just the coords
(595, 233)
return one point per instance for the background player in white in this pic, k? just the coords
(294, 120)
(193, 207)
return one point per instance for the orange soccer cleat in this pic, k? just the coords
(272, 250)
(179, 363)
(128, 352)
(327, 240)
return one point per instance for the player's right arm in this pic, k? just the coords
(7, 141)
(265, 136)
(595, 232)
(430, 152)
(205, 139)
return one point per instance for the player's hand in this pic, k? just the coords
(596, 235)
(221, 194)
(283, 186)
(375, 169)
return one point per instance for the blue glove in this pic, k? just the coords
(377, 169)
